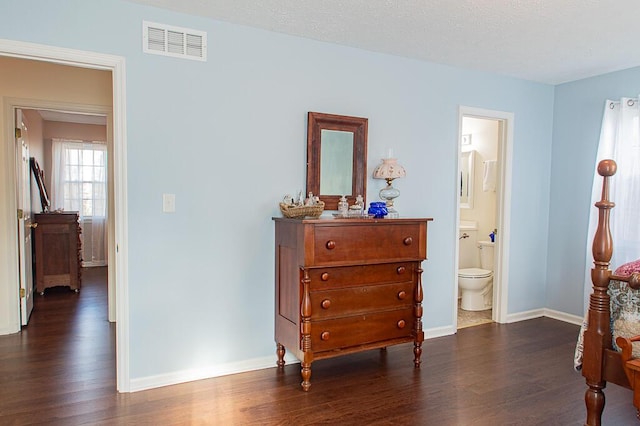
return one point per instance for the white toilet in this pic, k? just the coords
(475, 284)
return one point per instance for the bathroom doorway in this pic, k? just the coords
(483, 185)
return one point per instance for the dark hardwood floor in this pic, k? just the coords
(61, 370)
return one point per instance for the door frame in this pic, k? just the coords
(118, 254)
(23, 192)
(503, 219)
(31, 104)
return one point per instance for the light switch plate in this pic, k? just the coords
(168, 203)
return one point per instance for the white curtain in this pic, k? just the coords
(620, 141)
(79, 183)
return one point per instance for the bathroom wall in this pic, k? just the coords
(484, 141)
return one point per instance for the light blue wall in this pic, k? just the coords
(228, 137)
(579, 106)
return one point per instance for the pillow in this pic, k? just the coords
(628, 268)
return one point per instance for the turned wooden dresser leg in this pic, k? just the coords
(594, 400)
(417, 313)
(305, 372)
(417, 352)
(280, 351)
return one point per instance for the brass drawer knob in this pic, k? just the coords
(402, 295)
(400, 324)
(324, 276)
(408, 241)
(331, 244)
(401, 270)
(325, 335)
(326, 304)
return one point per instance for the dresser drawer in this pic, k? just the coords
(360, 300)
(351, 276)
(361, 329)
(377, 242)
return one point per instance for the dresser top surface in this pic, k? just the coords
(368, 221)
(56, 218)
(54, 214)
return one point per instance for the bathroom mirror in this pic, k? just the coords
(466, 180)
(336, 157)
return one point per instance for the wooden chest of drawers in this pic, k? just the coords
(347, 285)
(57, 250)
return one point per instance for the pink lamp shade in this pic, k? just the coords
(389, 169)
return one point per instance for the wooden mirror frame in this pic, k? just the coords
(38, 174)
(316, 122)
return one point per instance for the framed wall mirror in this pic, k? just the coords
(336, 157)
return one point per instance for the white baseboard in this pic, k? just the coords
(526, 315)
(208, 372)
(432, 333)
(544, 312)
(11, 329)
(563, 316)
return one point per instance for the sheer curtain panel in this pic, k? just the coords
(79, 183)
(620, 141)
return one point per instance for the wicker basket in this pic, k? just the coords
(300, 212)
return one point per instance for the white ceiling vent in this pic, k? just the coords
(160, 39)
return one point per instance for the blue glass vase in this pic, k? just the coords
(378, 209)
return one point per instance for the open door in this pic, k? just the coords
(24, 219)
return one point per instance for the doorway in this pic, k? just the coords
(73, 60)
(491, 188)
(70, 148)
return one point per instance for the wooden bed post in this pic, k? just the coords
(597, 336)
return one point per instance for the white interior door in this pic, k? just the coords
(24, 219)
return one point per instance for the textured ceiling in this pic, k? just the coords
(550, 41)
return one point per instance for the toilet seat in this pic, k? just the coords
(474, 273)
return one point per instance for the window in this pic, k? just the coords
(79, 183)
(84, 178)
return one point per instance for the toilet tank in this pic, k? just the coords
(487, 254)
(468, 248)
